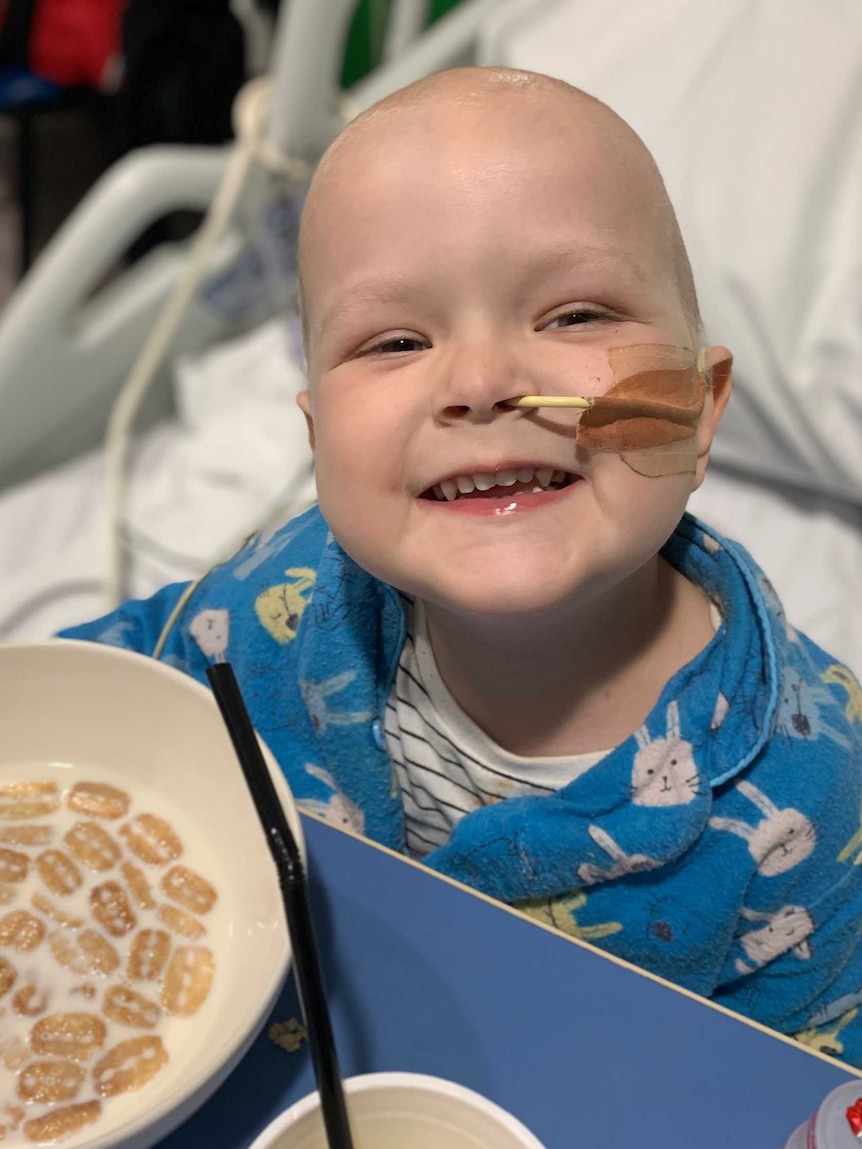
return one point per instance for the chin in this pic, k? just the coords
(498, 598)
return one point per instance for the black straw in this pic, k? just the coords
(291, 876)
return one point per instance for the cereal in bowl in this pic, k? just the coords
(100, 952)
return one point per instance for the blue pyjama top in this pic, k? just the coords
(718, 847)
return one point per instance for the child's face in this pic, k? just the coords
(455, 257)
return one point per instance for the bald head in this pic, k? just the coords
(451, 118)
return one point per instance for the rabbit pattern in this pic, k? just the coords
(803, 710)
(562, 914)
(839, 675)
(316, 696)
(264, 547)
(621, 863)
(664, 772)
(211, 631)
(787, 929)
(837, 1008)
(337, 808)
(826, 1040)
(280, 608)
(781, 840)
(719, 713)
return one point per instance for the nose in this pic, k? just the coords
(477, 379)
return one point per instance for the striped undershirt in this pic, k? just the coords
(446, 765)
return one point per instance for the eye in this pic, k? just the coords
(578, 317)
(397, 345)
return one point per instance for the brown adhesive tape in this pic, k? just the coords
(656, 462)
(650, 407)
(655, 403)
(636, 357)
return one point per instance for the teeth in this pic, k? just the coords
(543, 477)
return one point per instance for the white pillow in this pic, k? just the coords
(753, 111)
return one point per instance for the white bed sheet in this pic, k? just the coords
(197, 484)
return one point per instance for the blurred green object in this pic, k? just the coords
(368, 32)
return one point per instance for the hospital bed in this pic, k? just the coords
(753, 111)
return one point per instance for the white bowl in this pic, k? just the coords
(76, 710)
(403, 1111)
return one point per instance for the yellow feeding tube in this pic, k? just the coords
(582, 402)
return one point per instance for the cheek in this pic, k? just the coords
(363, 418)
(348, 432)
(647, 509)
(362, 444)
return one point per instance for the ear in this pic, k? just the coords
(719, 361)
(733, 826)
(303, 402)
(322, 775)
(673, 721)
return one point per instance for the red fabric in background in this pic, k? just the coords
(77, 43)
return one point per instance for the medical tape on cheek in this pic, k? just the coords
(649, 416)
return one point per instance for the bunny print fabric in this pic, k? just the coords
(718, 847)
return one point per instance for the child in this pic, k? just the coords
(499, 644)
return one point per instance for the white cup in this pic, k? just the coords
(403, 1111)
(828, 1127)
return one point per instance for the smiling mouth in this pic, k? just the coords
(500, 484)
